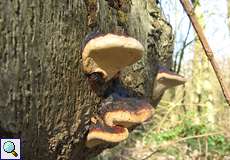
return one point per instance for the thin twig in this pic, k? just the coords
(200, 148)
(183, 49)
(164, 118)
(206, 148)
(208, 51)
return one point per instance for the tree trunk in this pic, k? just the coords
(44, 98)
(228, 14)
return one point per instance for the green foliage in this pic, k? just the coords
(217, 144)
(189, 128)
(164, 136)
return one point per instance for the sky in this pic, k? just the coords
(216, 28)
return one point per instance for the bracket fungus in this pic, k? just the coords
(166, 79)
(101, 133)
(125, 112)
(109, 53)
(104, 56)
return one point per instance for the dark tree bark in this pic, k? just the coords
(44, 98)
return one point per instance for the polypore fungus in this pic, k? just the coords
(166, 79)
(101, 133)
(103, 58)
(125, 112)
(109, 53)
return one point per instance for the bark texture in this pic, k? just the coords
(44, 98)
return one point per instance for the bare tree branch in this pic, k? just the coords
(208, 51)
(183, 49)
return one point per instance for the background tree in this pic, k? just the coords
(44, 98)
(228, 2)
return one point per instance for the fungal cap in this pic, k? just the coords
(169, 79)
(110, 53)
(166, 79)
(127, 118)
(127, 112)
(100, 134)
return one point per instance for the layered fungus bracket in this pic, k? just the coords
(125, 112)
(100, 133)
(104, 56)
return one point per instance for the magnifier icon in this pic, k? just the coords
(9, 147)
